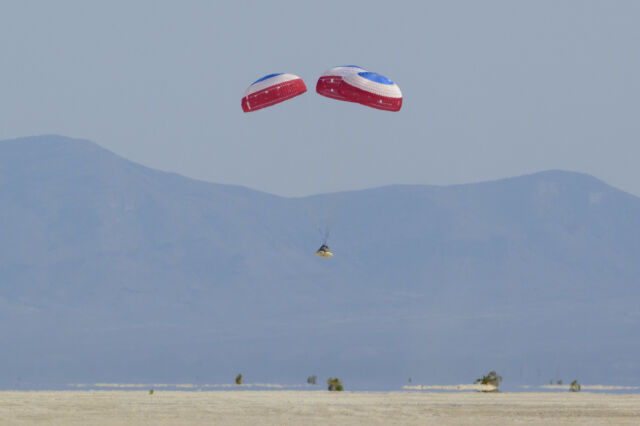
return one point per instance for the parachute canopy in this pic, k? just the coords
(329, 83)
(272, 89)
(373, 90)
(354, 84)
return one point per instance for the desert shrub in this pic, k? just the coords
(335, 384)
(492, 378)
(575, 386)
(312, 380)
(150, 391)
(239, 379)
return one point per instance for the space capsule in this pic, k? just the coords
(324, 251)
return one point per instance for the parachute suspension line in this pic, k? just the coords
(317, 212)
(317, 215)
(326, 229)
(330, 203)
(325, 236)
(332, 206)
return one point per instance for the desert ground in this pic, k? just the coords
(252, 407)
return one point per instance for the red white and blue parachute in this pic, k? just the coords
(272, 89)
(354, 84)
(329, 82)
(373, 90)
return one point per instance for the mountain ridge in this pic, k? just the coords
(61, 140)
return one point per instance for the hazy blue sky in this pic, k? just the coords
(491, 89)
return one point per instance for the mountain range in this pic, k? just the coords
(114, 272)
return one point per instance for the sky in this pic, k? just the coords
(491, 89)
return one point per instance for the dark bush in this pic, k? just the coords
(493, 379)
(335, 384)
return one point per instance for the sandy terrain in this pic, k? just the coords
(315, 407)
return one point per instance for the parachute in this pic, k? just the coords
(329, 83)
(373, 90)
(354, 84)
(272, 89)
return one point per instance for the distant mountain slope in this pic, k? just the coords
(113, 271)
